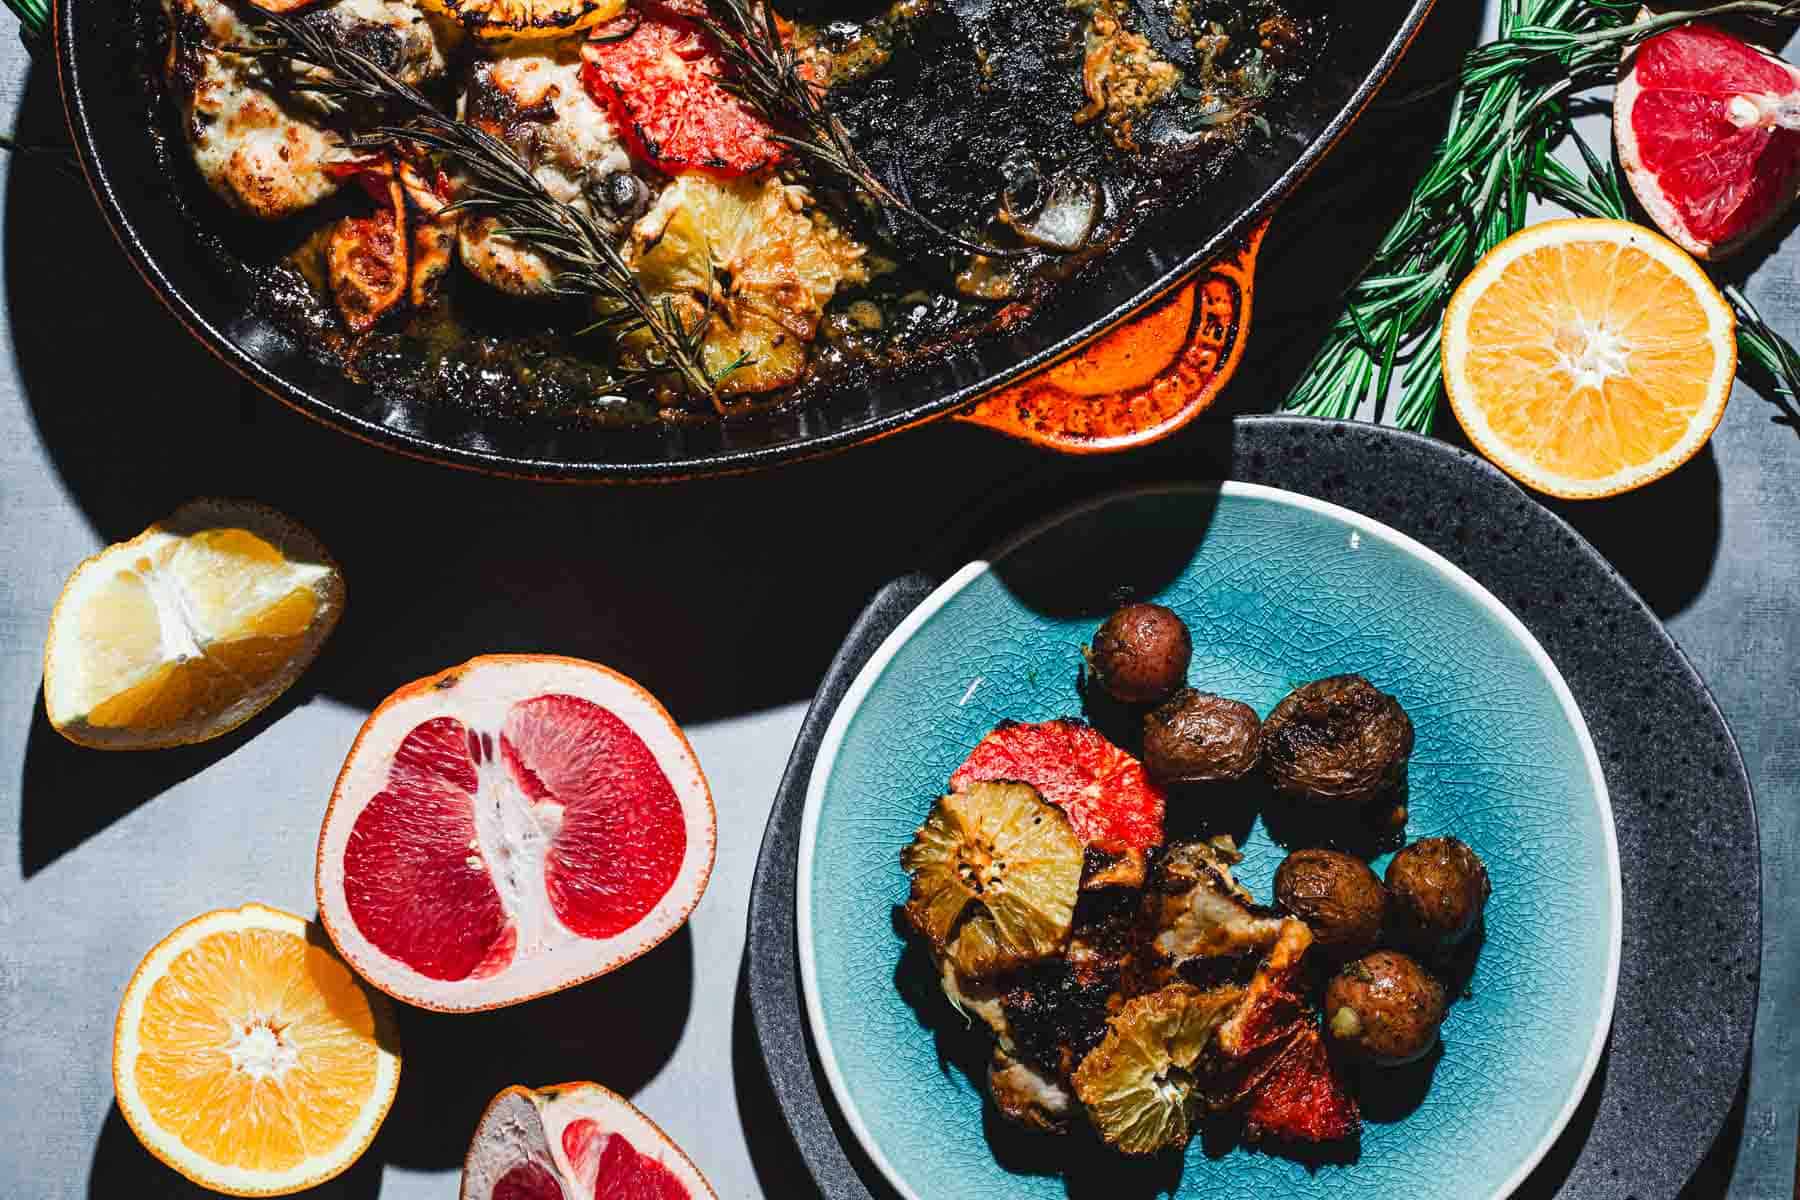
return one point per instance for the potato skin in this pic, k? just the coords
(1141, 654)
(1338, 897)
(1196, 737)
(1438, 888)
(1385, 1008)
(1337, 741)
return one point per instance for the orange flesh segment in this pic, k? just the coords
(300, 1029)
(1590, 357)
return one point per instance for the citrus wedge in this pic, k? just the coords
(1588, 357)
(525, 19)
(248, 1057)
(189, 629)
(1138, 1083)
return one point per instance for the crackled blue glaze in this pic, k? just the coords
(1276, 592)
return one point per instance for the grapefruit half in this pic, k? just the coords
(1708, 131)
(511, 827)
(575, 1140)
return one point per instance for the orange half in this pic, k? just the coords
(249, 1058)
(1588, 357)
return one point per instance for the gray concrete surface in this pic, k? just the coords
(727, 599)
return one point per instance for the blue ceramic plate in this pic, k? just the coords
(1278, 589)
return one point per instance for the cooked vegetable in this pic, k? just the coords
(1338, 897)
(1195, 737)
(1385, 1007)
(1439, 889)
(1140, 655)
(995, 871)
(1337, 741)
(367, 260)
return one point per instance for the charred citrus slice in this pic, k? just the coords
(366, 257)
(574, 1140)
(523, 19)
(995, 871)
(1138, 1084)
(189, 629)
(1588, 357)
(662, 83)
(767, 261)
(509, 827)
(1708, 131)
(1110, 800)
(1300, 1097)
(248, 1058)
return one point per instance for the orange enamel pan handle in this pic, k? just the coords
(1142, 380)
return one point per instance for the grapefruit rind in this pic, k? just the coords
(62, 657)
(233, 1181)
(497, 682)
(560, 1105)
(1462, 391)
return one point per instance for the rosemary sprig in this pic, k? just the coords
(1509, 112)
(769, 79)
(304, 60)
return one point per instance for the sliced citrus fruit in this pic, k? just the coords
(1708, 131)
(509, 827)
(1110, 800)
(1138, 1083)
(662, 83)
(1300, 1097)
(995, 872)
(189, 629)
(755, 254)
(1588, 357)
(249, 1058)
(526, 19)
(575, 1140)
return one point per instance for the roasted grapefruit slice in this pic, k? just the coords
(1109, 799)
(511, 827)
(1708, 131)
(575, 1140)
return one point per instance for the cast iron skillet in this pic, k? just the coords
(97, 63)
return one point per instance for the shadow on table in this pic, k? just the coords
(618, 1032)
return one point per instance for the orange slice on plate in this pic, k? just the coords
(1588, 357)
(189, 629)
(248, 1057)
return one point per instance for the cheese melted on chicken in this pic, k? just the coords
(535, 103)
(269, 156)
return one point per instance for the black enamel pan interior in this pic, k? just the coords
(102, 80)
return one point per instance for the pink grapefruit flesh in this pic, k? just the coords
(606, 1165)
(571, 1142)
(1708, 131)
(528, 1181)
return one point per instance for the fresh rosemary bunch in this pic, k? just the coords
(1509, 113)
(769, 79)
(304, 60)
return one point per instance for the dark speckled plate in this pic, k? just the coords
(1676, 1052)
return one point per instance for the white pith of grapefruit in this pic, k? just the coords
(511, 827)
(556, 1142)
(1707, 127)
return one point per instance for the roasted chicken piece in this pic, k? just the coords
(1198, 913)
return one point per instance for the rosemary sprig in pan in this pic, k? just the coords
(1509, 113)
(768, 78)
(304, 60)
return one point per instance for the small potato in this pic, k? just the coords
(1385, 1008)
(1141, 654)
(1337, 741)
(1338, 897)
(1194, 737)
(1439, 887)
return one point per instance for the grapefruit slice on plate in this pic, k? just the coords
(575, 1140)
(1109, 800)
(247, 1056)
(1708, 131)
(189, 629)
(511, 827)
